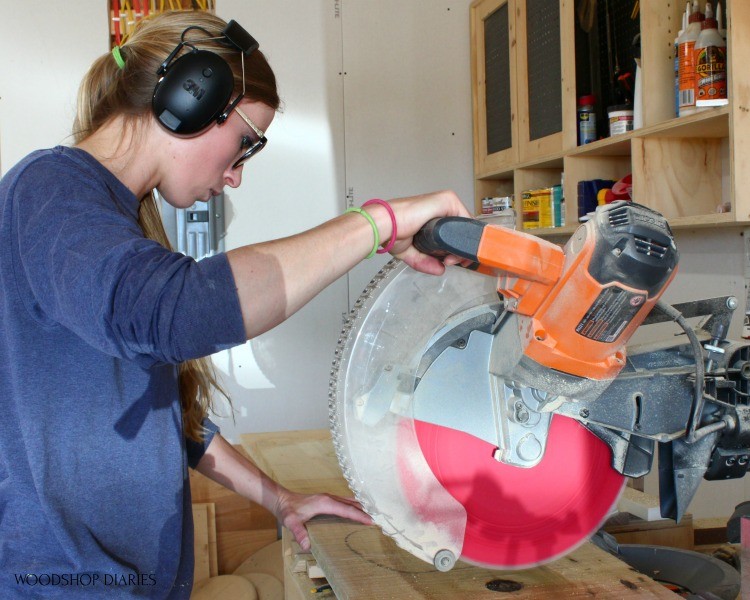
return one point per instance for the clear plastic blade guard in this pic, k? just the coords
(371, 404)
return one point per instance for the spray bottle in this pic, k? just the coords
(720, 22)
(686, 45)
(710, 64)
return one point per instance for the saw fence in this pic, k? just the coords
(360, 562)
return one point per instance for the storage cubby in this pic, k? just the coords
(679, 177)
(586, 166)
(689, 168)
(491, 188)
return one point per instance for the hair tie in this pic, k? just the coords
(394, 230)
(118, 57)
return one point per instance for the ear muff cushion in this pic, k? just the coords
(193, 92)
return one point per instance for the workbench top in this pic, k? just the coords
(362, 563)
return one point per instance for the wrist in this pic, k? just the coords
(385, 219)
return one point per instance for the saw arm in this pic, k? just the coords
(527, 267)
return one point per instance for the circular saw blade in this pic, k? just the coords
(410, 477)
(519, 518)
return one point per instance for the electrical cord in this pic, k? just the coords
(693, 434)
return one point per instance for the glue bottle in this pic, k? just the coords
(710, 64)
(686, 45)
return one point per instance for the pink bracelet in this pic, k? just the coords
(394, 232)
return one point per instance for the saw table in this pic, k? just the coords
(360, 562)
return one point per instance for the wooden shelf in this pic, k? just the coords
(706, 220)
(618, 145)
(684, 167)
(711, 123)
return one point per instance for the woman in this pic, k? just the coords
(103, 376)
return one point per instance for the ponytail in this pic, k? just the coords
(111, 89)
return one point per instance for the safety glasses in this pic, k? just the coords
(250, 148)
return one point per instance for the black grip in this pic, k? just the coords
(450, 235)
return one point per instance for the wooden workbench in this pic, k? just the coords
(361, 563)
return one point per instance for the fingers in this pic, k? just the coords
(299, 531)
(421, 262)
(301, 508)
(347, 508)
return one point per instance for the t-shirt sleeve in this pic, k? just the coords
(88, 267)
(196, 450)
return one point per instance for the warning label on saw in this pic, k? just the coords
(610, 314)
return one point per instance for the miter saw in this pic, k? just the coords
(494, 413)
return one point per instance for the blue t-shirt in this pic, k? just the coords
(94, 318)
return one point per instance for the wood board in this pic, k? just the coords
(360, 562)
(204, 541)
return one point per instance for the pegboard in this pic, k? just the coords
(497, 80)
(624, 25)
(544, 67)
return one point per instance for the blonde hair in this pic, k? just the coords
(107, 91)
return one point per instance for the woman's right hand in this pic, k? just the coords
(412, 214)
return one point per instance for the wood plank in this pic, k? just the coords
(664, 532)
(660, 24)
(568, 75)
(202, 570)
(640, 504)
(710, 531)
(213, 565)
(361, 562)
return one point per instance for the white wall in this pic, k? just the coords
(279, 380)
(45, 48)
(398, 122)
(376, 98)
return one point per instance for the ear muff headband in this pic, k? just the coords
(194, 90)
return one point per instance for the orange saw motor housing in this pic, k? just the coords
(576, 307)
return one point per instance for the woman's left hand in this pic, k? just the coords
(295, 510)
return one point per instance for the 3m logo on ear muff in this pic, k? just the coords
(199, 75)
(192, 87)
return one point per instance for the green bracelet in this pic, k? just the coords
(367, 216)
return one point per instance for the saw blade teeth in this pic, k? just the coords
(351, 324)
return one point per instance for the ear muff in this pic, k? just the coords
(193, 91)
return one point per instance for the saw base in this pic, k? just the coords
(520, 518)
(362, 563)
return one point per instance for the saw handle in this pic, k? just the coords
(459, 236)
